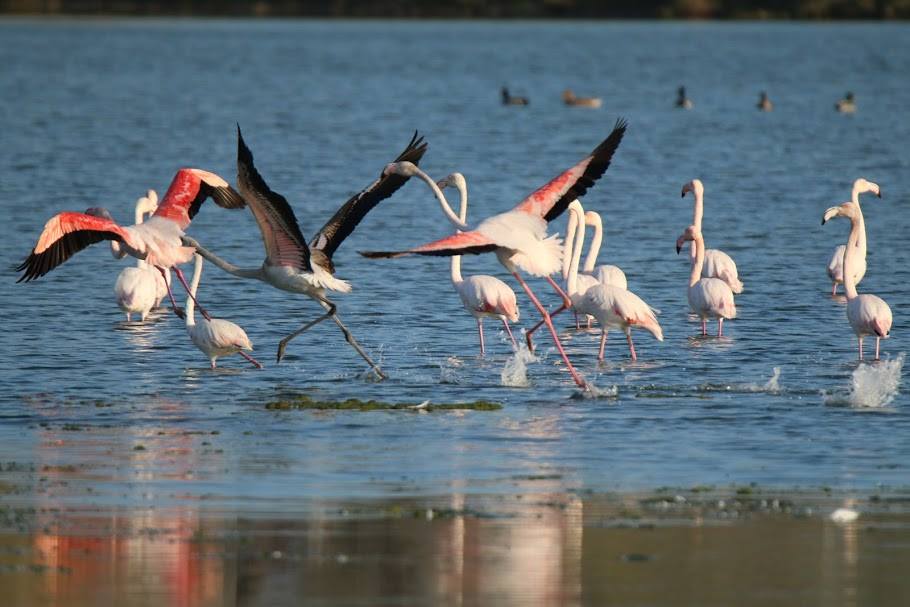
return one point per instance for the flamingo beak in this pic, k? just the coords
(879, 193)
(683, 195)
(829, 214)
(678, 248)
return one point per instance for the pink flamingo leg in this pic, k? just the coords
(704, 326)
(255, 362)
(186, 286)
(834, 289)
(720, 326)
(176, 309)
(575, 376)
(631, 345)
(566, 304)
(877, 340)
(505, 323)
(480, 332)
(603, 343)
(577, 324)
(860, 348)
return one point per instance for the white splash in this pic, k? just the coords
(515, 372)
(873, 385)
(593, 391)
(447, 370)
(773, 385)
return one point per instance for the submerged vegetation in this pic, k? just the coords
(354, 404)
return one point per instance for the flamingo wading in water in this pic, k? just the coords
(836, 263)
(156, 241)
(868, 314)
(708, 297)
(614, 307)
(519, 237)
(717, 263)
(136, 288)
(482, 295)
(293, 265)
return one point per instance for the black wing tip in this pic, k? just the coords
(382, 254)
(415, 149)
(228, 198)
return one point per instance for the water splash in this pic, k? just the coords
(773, 384)
(873, 385)
(515, 372)
(593, 391)
(447, 370)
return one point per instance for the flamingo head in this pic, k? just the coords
(592, 218)
(846, 209)
(861, 186)
(695, 186)
(568, 96)
(99, 212)
(691, 233)
(455, 180)
(148, 203)
(403, 168)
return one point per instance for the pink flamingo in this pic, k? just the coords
(136, 288)
(708, 297)
(482, 295)
(868, 314)
(717, 263)
(614, 307)
(836, 264)
(157, 241)
(519, 237)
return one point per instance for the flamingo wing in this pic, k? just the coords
(189, 189)
(65, 235)
(284, 243)
(551, 200)
(462, 243)
(355, 209)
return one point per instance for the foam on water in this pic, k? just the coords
(447, 370)
(872, 385)
(593, 391)
(515, 372)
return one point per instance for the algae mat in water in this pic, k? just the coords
(354, 404)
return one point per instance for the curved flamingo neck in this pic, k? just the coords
(446, 208)
(857, 234)
(861, 241)
(594, 249)
(697, 214)
(194, 286)
(572, 284)
(224, 265)
(698, 243)
(567, 248)
(463, 216)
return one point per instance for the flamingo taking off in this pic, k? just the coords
(717, 263)
(519, 237)
(868, 314)
(293, 265)
(156, 241)
(836, 263)
(708, 297)
(482, 295)
(136, 288)
(614, 307)
(215, 337)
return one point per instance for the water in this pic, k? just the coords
(121, 417)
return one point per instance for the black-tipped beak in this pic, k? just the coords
(678, 249)
(879, 194)
(824, 220)
(683, 195)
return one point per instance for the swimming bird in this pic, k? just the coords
(156, 241)
(508, 99)
(482, 295)
(136, 288)
(836, 263)
(519, 237)
(215, 337)
(708, 297)
(293, 265)
(569, 98)
(717, 263)
(847, 105)
(764, 103)
(682, 101)
(614, 307)
(868, 314)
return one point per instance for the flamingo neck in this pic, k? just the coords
(572, 284)
(594, 250)
(698, 244)
(230, 268)
(861, 241)
(857, 234)
(463, 217)
(567, 248)
(456, 269)
(446, 208)
(697, 213)
(194, 286)
(138, 218)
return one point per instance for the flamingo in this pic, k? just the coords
(717, 263)
(836, 264)
(708, 297)
(868, 314)
(569, 98)
(519, 237)
(157, 241)
(215, 337)
(136, 288)
(614, 307)
(847, 105)
(482, 295)
(293, 265)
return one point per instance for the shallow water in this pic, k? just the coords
(96, 112)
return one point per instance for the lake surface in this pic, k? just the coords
(118, 418)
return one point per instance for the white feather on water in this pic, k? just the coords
(515, 372)
(873, 385)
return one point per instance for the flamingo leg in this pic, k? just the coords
(566, 300)
(186, 286)
(530, 332)
(283, 344)
(720, 326)
(833, 289)
(480, 333)
(589, 322)
(631, 345)
(575, 376)
(603, 343)
(577, 324)
(505, 323)
(176, 309)
(860, 347)
(252, 360)
(704, 326)
(877, 340)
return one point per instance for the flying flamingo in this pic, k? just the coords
(157, 241)
(708, 297)
(717, 263)
(868, 314)
(215, 337)
(614, 307)
(136, 288)
(481, 295)
(293, 265)
(519, 237)
(836, 264)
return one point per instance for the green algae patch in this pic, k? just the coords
(355, 404)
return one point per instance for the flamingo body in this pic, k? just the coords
(712, 298)
(136, 290)
(218, 337)
(836, 268)
(610, 275)
(869, 315)
(487, 296)
(720, 265)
